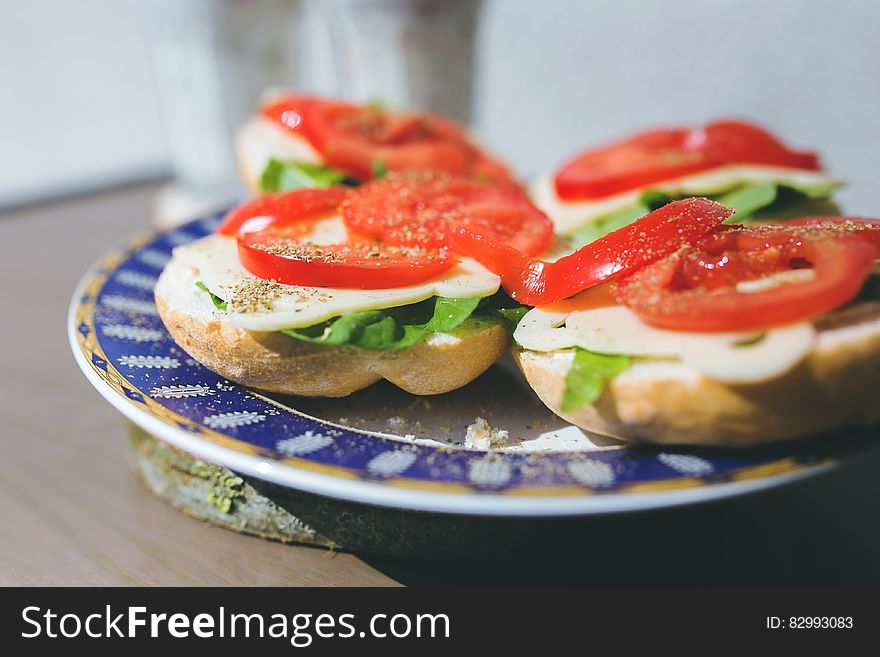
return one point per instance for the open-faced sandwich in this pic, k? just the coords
(298, 141)
(700, 322)
(685, 330)
(322, 292)
(737, 164)
(323, 286)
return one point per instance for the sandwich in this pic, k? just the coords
(762, 328)
(302, 291)
(679, 328)
(324, 291)
(738, 164)
(296, 141)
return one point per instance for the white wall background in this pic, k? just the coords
(78, 107)
(76, 100)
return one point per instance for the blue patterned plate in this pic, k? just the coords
(382, 446)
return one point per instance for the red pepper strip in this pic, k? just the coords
(654, 236)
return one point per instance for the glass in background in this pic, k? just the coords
(212, 61)
(417, 54)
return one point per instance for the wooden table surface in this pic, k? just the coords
(73, 513)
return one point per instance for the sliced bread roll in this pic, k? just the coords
(275, 362)
(666, 401)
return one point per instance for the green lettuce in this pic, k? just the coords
(770, 200)
(286, 175)
(618, 219)
(219, 303)
(589, 374)
(391, 328)
(791, 203)
(404, 326)
(752, 201)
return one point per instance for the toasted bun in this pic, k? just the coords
(668, 402)
(278, 363)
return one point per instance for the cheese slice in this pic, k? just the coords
(260, 140)
(568, 216)
(257, 305)
(730, 357)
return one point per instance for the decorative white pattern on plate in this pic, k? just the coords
(150, 362)
(178, 392)
(389, 463)
(591, 472)
(306, 443)
(489, 471)
(137, 280)
(135, 333)
(129, 305)
(153, 258)
(686, 464)
(232, 420)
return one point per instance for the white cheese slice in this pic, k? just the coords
(729, 357)
(215, 261)
(568, 216)
(260, 140)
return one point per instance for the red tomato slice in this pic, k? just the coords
(290, 112)
(426, 209)
(356, 138)
(696, 289)
(271, 232)
(738, 142)
(660, 155)
(868, 229)
(538, 283)
(290, 208)
(359, 265)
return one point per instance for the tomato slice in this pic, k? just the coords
(704, 286)
(739, 142)
(426, 209)
(356, 139)
(272, 233)
(538, 283)
(868, 229)
(359, 265)
(290, 112)
(289, 208)
(660, 155)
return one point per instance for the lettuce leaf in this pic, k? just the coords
(404, 326)
(790, 204)
(618, 219)
(589, 374)
(219, 303)
(391, 328)
(510, 316)
(286, 175)
(748, 199)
